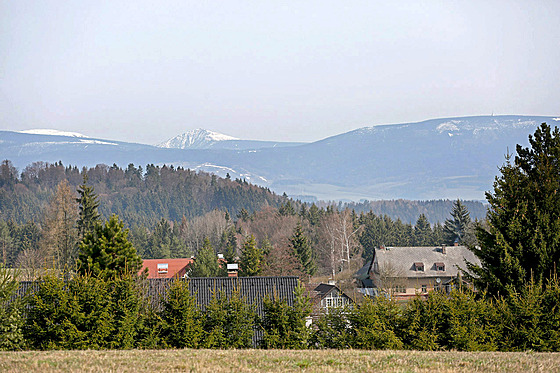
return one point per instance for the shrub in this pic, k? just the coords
(332, 329)
(425, 323)
(11, 335)
(228, 323)
(181, 319)
(374, 325)
(284, 326)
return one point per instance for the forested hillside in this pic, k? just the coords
(174, 212)
(138, 196)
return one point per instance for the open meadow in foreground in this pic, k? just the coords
(277, 360)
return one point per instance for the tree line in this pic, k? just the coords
(292, 239)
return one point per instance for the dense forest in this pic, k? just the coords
(173, 212)
(436, 211)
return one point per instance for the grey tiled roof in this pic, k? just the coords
(252, 289)
(401, 260)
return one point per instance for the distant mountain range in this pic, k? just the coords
(204, 139)
(433, 159)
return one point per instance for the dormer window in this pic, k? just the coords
(419, 266)
(162, 268)
(440, 266)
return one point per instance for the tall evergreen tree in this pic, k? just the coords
(206, 262)
(454, 229)
(522, 241)
(423, 232)
(228, 244)
(88, 203)
(302, 249)
(106, 251)
(251, 261)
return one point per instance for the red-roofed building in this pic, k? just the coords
(166, 268)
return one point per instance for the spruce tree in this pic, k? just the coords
(107, 253)
(423, 232)
(302, 249)
(251, 261)
(454, 229)
(206, 262)
(88, 203)
(522, 241)
(228, 244)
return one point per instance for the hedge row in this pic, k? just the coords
(90, 313)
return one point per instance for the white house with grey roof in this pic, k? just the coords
(407, 271)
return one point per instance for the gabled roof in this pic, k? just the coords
(175, 267)
(401, 260)
(252, 289)
(325, 289)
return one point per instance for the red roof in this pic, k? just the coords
(166, 268)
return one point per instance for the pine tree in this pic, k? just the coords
(454, 229)
(206, 262)
(302, 249)
(88, 203)
(107, 253)
(522, 242)
(251, 261)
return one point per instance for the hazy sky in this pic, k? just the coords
(145, 71)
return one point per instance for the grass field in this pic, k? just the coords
(276, 360)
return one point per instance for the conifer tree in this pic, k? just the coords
(522, 241)
(251, 261)
(228, 244)
(454, 229)
(302, 249)
(107, 253)
(182, 321)
(423, 232)
(206, 262)
(88, 203)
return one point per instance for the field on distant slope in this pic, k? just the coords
(277, 360)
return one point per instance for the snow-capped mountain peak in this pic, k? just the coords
(195, 139)
(51, 132)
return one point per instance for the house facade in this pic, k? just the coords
(405, 272)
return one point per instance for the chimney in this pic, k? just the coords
(232, 269)
(443, 249)
(332, 282)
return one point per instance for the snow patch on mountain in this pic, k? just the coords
(195, 139)
(51, 132)
(448, 126)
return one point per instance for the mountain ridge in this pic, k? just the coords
(437, 158)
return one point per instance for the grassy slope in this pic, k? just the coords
(276, 360)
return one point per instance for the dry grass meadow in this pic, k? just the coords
(276, 361)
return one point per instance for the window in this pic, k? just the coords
(419, 266)
(440, 266)
(400, 289)
(424, 288)
(162, 268)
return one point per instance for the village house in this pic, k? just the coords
(326, 296)
(405, 272)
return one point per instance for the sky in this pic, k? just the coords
(145, 71)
